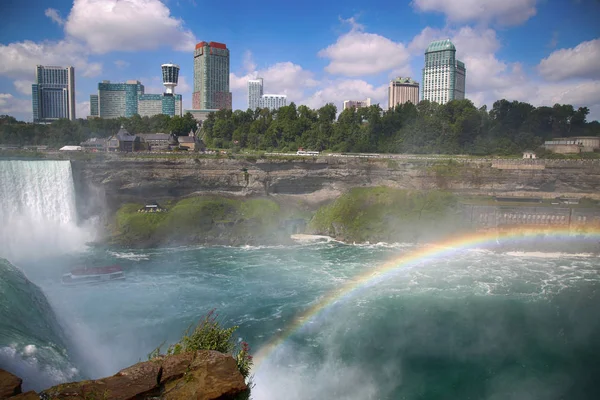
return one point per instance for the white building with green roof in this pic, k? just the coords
(444, 76)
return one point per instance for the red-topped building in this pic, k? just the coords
(211, 77)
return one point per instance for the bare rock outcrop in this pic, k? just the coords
(204, 375)
(10, 385)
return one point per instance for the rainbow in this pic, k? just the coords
(419, 256)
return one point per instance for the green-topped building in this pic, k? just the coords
(443, 75)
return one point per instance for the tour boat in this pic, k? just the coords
(92, 275)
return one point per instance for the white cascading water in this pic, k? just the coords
(38, 217)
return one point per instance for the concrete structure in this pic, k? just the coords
(273, 101)
(563, 146)
(588, 144)
(402, 90)
(153, 104)
(119, 99)
(444, 76)
(53, 94)
(211, 77)
(529, 154)
(255, 93)
(94, 105)
(357, 103)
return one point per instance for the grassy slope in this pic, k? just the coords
(386, 214)
(203, 219)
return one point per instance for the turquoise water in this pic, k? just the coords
(478, 325)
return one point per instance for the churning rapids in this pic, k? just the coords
(479, 325)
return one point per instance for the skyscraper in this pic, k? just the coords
(119, 99)
(357, 103)
(167, 103)
(94, 105)
(53, 94)
(211, 77)
(402, 90)
(255, 92)
(273, 101)
(443, 75)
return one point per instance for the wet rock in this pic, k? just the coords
(10, 384)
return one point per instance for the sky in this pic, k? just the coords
(538, 51)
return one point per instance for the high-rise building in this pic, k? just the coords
(119, 99)
(402, 90)
(153, 104)
(443, 75)
(167, 103)
(94, 105)
(53, 94)
(211, 77)
(273, 101)
(255, 92)
(357, 103)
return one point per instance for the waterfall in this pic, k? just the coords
(38, 216)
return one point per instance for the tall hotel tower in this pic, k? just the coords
(255, 93)
(53, 94)
(402, 90)
(211, 77)
(443, 75)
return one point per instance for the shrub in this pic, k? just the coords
(210, 335)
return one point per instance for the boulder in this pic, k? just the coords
(211, 375)
(10, 385)
(203, 375)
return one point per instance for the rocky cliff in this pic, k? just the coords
(203, 375)
(115, 179)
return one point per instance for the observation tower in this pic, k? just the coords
(170, 75)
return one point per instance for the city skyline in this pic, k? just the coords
(353, 51)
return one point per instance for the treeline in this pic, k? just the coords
(457, 127)
(66, 132)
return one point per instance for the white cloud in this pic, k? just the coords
(127, 25)
(504, 12)
(490, 78)
(14, 106)
(121, 64)
(183, 86)
(582, 61)
(82, 109)
(23, 86)
(54, 15)
(281, 78)
(357, 53)
(19, 59)
(347, 89)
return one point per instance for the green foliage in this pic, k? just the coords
(457, 127)
(210, 335)
(386, 214)
(198, 219)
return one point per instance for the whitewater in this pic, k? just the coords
(479, 324)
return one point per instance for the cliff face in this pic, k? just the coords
(114, 180)
(203, 375)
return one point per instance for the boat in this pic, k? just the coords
(93, 275)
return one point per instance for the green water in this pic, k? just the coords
(476, 325)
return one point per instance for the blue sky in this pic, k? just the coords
(540, 51)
